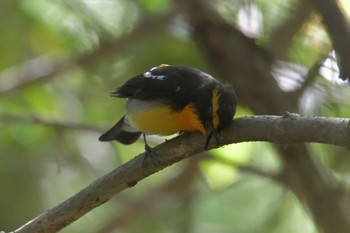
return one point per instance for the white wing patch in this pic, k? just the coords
(159, 77)
(149, 74)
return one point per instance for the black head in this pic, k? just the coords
(223, 109)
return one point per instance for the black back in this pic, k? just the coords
(179, 85)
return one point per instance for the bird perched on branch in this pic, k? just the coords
(168, 99)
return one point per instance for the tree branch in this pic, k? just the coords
(310, 77)
(176, 188)
(12, 119)
(236, 58)
(339, 31)
(282, 36)
(317, 188)
(42, 68)
(247, 66)
(290, 128)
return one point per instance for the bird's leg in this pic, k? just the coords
(148, 150)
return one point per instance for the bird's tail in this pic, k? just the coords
(118, 133)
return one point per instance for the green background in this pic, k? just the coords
(53, 109)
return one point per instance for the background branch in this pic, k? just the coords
(287, 129)
(246, 65)
(282, 37)
(310, 77)
(93, 46)
(339, 31)
(12, 119)
(237, 58)
(42, 68)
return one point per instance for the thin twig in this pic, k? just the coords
(259, 172)
(11, 119)
(310, 77)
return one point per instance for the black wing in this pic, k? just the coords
(158, 82)
(165, 81)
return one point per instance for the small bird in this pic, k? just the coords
(169, 99)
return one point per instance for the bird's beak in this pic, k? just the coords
(209, 132)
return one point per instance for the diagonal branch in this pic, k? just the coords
(176, 188)
(338, 28)
(42, 68)
(282, 36)
(290, 128)
(310, 77)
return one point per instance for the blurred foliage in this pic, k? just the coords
(45, 158)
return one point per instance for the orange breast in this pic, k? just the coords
(164, 121)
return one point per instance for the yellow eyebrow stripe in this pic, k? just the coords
(215, 104)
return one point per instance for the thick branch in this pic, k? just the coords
(290, 128)
(178, 187)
